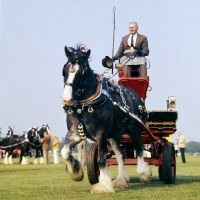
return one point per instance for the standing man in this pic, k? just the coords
(56, 148)
(45, 147)
(130, 43)
(181, 144)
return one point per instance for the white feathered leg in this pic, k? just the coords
(10, 159)
(35, 162)
(143, 170)
(122, 177)
(73, 166)
(27, 160)
(105, 184)
(24, 161)
(41, 160)
(5, 160)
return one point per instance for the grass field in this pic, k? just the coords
(51, 182)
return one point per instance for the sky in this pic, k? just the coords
(33, 35)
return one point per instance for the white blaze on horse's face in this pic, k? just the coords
(67, 94)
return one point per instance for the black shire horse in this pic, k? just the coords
(38, 146)
(89, 100)
(12, 142)
(31, 140)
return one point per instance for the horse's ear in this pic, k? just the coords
(63, 71)
(67, 52)
(88, 53)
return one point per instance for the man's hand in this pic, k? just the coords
(139, 52)
(114, 58)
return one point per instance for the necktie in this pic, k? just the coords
(132, 43)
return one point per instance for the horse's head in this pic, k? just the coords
(43, 129)
(10, 131)
(74, 71)
(32, 132)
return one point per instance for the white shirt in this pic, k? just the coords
(134, 39)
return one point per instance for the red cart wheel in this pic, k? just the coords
(168, 163)
(92, 166)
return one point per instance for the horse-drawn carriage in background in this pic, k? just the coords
(161, 124)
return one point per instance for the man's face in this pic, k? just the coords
(133, 28)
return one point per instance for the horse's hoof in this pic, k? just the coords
(120, 183)
(100, 188)
(35, 162)
(145, 177)
(77, 175)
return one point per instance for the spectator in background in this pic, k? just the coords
(176, 147)
(46, 147)
(181, 144)
(82, 152)
(55, 148)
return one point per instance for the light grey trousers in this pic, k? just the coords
(46, 156)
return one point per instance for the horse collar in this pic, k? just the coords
(96, 94)
(95, 100)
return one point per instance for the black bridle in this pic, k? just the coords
(80, 91)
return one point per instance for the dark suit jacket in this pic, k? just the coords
(141, 44)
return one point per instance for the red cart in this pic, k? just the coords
(159, 126)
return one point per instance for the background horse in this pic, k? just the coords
(12, 142)
(89, 102)
(38, 146)
(30, 137)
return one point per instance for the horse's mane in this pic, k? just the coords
(83, 56)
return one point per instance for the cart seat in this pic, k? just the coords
(138, 84)
(134, 72)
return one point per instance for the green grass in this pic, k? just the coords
(52, 182)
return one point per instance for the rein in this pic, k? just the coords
(129, 57)
(5, 147)
(79, 91)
